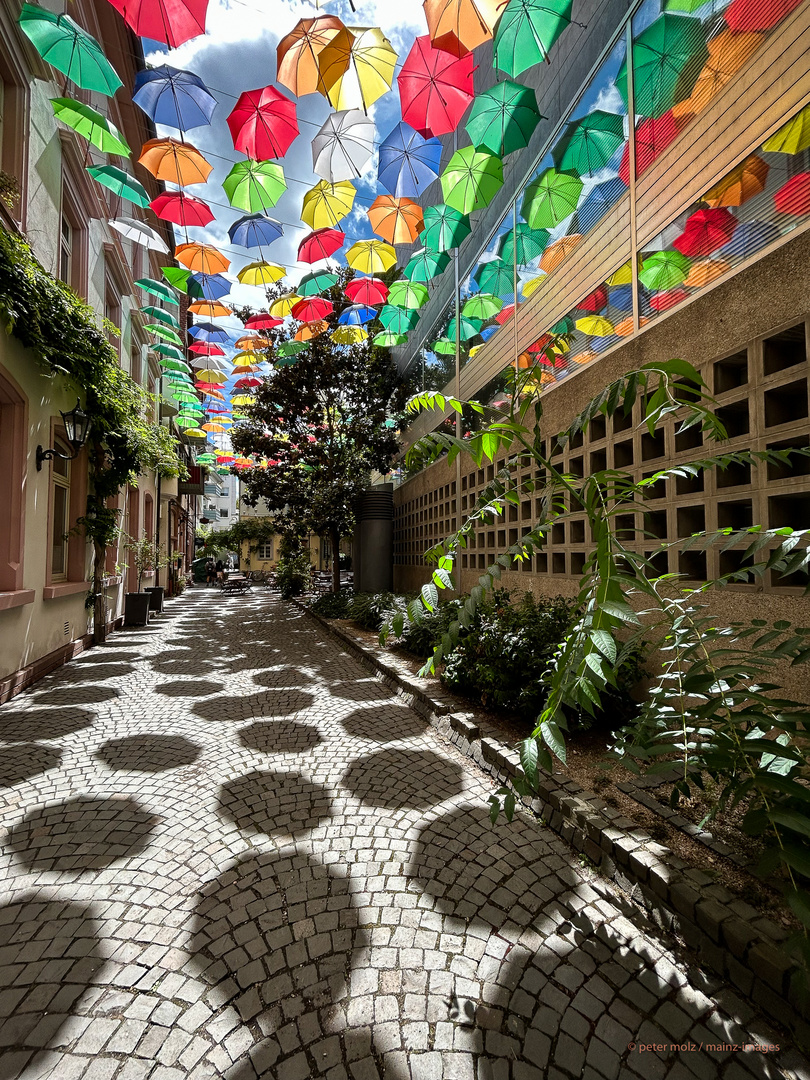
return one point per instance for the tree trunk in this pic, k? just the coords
(334, 537)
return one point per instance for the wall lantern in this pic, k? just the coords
(77, 426)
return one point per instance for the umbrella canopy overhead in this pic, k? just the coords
(653, 136)
(255, 231)
(202, 259)
(371, 256)
(120, 183)
(396, 220)
(157, 288)
(263, 124)
(316, 282)
(425, 265)
(523, 244)
(747, 15)
(260, 273)
(459, 26)
(174, 98)
(503, 118)
(254, 186)
(728, 52)
(297, 54)
(445, 227)
(667, 59)
(589, 143)
(262, 321)
(312, 308)
(792, 137)
(558, 251)
(794, 196)
(496, 277)
(169, 21)
(320, 244)
(398, 320)
(356, 67)
(408, 162)
(367, 290)
(176, 162)
(140, 233)
(181, 209)
(598, 201)
(70, 49)
(664, 269)
(326, 204)
(471, 179)
(408, 294)
(207, 285)
(705, 231)
(91, 125)
(482, 307)
(357, 315)
(343, 147)
(741, 184)
(435, 88)
(551, 198)
(526, 31)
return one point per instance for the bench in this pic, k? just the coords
(236, 586)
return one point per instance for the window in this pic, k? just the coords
(60, 514)
(14, 114)
(266, 550)
(112, 313)
(66, 252)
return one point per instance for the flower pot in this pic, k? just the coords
(136, 609)
(156, 594)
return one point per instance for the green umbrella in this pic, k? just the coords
(467, 328)
(120, 183)
(91, 125)
(564, 326)
(187, 421)
(169, 350)
(482, 307)
(70, 49)
(388, 341)
(291, 348)
(161, 316)
(445, 227)
(551, 198)
(664, 269)
(444, 346)
(254, 186)
(397, 320)
(525, 32)
(164, 333)
(157, 288)
(471, 179)
(184, 396)
(503, 118)
(589, 143)
(524, 244)
(495, 277)
(667, 58)
(176, 277)
(170, 365)
(316, 282)
(408, 294)
(426, 265)
(685, 7)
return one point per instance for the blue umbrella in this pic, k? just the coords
(208, 332)
(356, 315)
(601, 344)
(255, 231)
(749, 237)
(178, 99)
(621, 297)
(210, 286)
(408, 162)
(598, 201)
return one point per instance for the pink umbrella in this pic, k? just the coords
(435, 88)
(181, 209)
(263, 124)
(202, 348)
(320, 244)
(171, 21)
(705, 232)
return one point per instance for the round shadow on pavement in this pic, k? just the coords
(268, 703)
(148, 753)
(280, 737)
(384, 725)
(361, 690)
(22, 725)
(85, 833)
(63, 937)
(25, 760)
(276, 803)
(280, 678)
(91, 673)
(189, 688)
(75, 695)
(396, 779)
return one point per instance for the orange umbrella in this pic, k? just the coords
(176, 162)
(397, 220)
(211, 308)
(253, 342)
(703, 273)
(728, 52)
(245, 369)
(458, 26)
(741, 184)
(311, 330)
(625, 328)
(558, 251)
(297, 54)
(202, 258)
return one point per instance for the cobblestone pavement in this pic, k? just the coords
(230, 852)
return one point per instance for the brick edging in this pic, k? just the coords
(731, 937)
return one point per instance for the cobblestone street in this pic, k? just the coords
(230, 852)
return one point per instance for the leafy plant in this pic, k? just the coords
(294, 574)
(371, 610)
(146, 556)
(334, 605)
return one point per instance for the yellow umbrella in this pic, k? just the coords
(282, 307)
(703, 273)
(202, 258)
(209, 375)
(356, 67)
(596, 326)
(624, 275)
(792, 137)
(325, 204)
(246, 359)
(210, 308)
(194, 433)
(532, 286)
(371, 256)
(348, 335)
(242, 399)
(261, 273)
(558, 251)
(741, 184)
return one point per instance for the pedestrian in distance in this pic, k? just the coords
(220, 571)
(210, 572)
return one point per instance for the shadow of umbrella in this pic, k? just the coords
(280, 737)
(148, 753)
(26, 760)
(384, 724)
(278, 804)
(24, 724)
(268, 703)
(394, 778)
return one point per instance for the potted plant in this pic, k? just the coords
(146, 556)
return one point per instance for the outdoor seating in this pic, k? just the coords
(236, 585)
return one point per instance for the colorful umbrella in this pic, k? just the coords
(70, 49)
(262, 321)
(208, 286)
(211, 309)
(316, 282)
(551, 198)
(356, 67)
(176, 162)
(407, 161)
(471, 179)
(371, 256)
(482, 307)
(247, 384)
(263, 124)
(530, 287)
(596, 301)
(312, 308)
(342, 148)
(704, 273)
(503, 118)
(283, 305)
(177, 278)
(211, 377)
(749, 237)
(496, 277)
(163, 332)
(367, 290)
(161, 316)
(598, 201)
(445, 227)
(589, 143)
(291, 348)
(396, 220)
(741, 184)
(425, 265)
(297, 54)
(747, 15)
(308, 331)
(254, 186)
(664, 269)
(435, 88)
(794, 196)
(170, 21)
(523, 244)
(260, 273)
(252, 343)
(526, 31)
(728, 52)
(140, 233)
(408, 294)
(348, 335)
(667, 58)
(387, 340)
(174, 98)
(398, 320)
(653, 136)
(255, 231)
(120, 183)
(203, 348)
(157, 288)
(171, 353)
(792, 137)
(596, 326)
(321, 244)
(663, 301)
(705, 231)
(467, 328)
(181, 209)
(91, 125)
(459, 26)
(208, 333)
(202, 259)
(444, 347)
(356, 315)
(325, 204)
(558, 251)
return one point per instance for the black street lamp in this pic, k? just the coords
(77, 426)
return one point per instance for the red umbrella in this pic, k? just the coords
(182, 209)
(540, 344)
(794, 196)
(263, 124)
(320, 244)
(245, 384)
(758, 14)
(171, 21)
(262, 321)
(664, 300)
(367, 290)
(653, 136)
(435, 88)
(596, 301)
(705, 232)
(505, 314)
(202, 348)
(311, 309)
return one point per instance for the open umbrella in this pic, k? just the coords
(663, 301)
(588, 144)
(398, 320)
(371, 256)
(503, 118)
(321, 244)
(747, 15)
(254, 186)
(208, 333)
(204, 349)
(174, 98)
(356, 315)
(366, 290)
(356, 67)
(157, 314)
(741, 184)
(262, 321)
(308, 331)
(387, 340)
(260, 273)
(202, 259)
(316, 282)
(91, 125)
(283, 305)
(263, 123)
(163, 332)
(182, 209)
(526, 31)
(444, 347)
(120, 183)
(426, 264)
(467, 328)
(705, 231)
(326, 204)
(482, 307)
(70, 49)
(252, 343)
(255, 231)
(792, 137)
(667, 58)
(551, 198)
(596, 326)
(208, 286)
(750, 236)
(348, 335)
(311, 308)
(704, 273)
(157, 288)
(596, 301)
(664, 269)
(408, 294)
(435, 88)
(471, 179)
(297, 54)
(598, 201)
(459, 26)
(794, 196)
(210, 309)
(496, 277)
(177, 162)
(139, 233)
(523, 244)
(445, 227)
(342, 148)
(170, 21)
(396, 220)
(558, 251)
(653, 136)
(728, 52)
(407, 161)
(173, 354)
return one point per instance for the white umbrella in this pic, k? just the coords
(140, 233)
(343, 147)
(215, 363)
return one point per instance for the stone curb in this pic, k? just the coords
(730, 936)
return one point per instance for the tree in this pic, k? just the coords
(319, 423)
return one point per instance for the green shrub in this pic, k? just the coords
(371, 610)
(334, 605)
(293, 574)
(422, 638)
